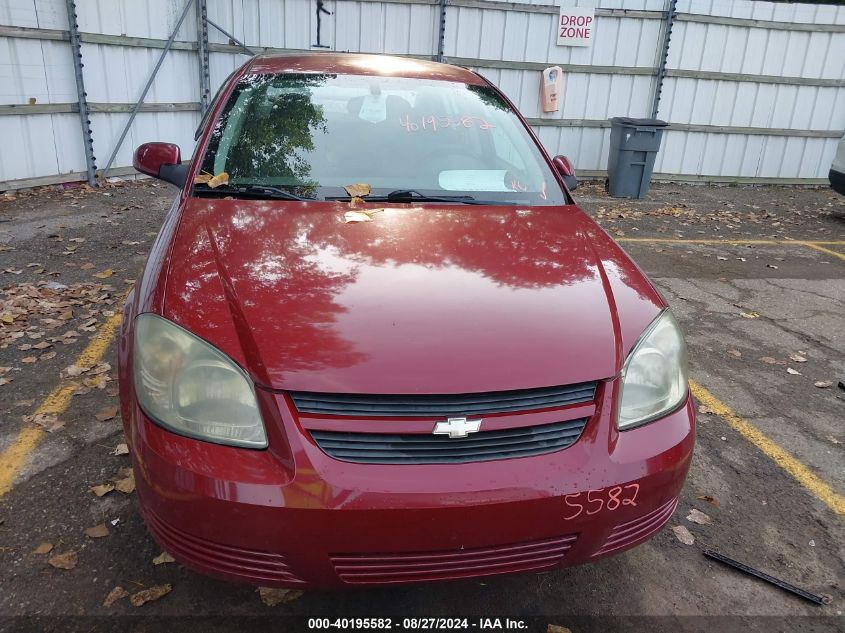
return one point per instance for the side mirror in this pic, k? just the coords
(567, 172)
(163, 161)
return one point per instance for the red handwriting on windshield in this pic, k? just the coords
(594, 501)
(433, 123)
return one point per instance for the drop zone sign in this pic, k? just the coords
(576, 27)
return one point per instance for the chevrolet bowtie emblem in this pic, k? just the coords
(457, 427)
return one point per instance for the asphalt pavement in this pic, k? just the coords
(755, 275)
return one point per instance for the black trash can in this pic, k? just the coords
(633, 147)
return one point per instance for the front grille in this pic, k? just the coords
(419, 448)
(420, 566)
(369, 405)
(627, 534)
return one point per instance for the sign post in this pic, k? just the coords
(576, 26)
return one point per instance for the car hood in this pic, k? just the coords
(421, 299)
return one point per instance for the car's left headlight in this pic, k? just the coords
(654, 377)
(189, 387)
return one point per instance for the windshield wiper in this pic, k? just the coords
(251, 191)
(412, 195)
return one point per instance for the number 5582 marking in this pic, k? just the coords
(594, 501)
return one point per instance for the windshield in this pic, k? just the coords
(312, 134)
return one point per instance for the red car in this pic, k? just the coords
(377, 342)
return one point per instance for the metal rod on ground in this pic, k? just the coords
(234, 39)
(202, 52)
(671, 11)
(147, 87)
(441, 33)
(82, 96)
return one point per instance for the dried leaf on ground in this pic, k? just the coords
(833, 440)
(556, 628)
(749, 315)
(683, 535)
(43, 548)
(65, 560)
(121, 449)
(148, 595)
(272, 596)
(796, 357)
(114, 595)
(793, 372)
(72, 371)
(124, 481)
(104, 274)
(98, 531)
(106, 414)
(102, 489)
(735, 353)
(47, 421)
(705, 409)
(219, 180)
(357, 190)
(772, 361)
(163, 559)
(823, 384)
(697, 516)
(709, 499)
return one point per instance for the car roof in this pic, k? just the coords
(360, 64)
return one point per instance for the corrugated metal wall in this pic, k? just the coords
(753, 90)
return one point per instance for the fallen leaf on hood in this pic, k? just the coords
(102, 489)
(98, 531)
(148, 595)
(749, 315)
(121, 449)
(202, 178)
(44, 548)
(823, 384)
(795, 356)
(219, 180)
(114, 595)
(696, 516)
(358, 189)
(355, 201)
(65, 560)
(351, 217)
(106, 414)
(104, 274)
(124, 481)
(163, 559)
(272, 596)
(683, 535)
(794, 372)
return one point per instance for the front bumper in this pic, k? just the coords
(292, 516)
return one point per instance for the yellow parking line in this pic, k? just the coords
(816, 246)
(782, 458)
(57, 401)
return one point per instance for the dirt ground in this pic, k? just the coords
(755, 275)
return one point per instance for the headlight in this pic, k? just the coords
(654, 378)
(189, 387)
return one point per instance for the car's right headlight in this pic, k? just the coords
(654, 377)
(189, 387)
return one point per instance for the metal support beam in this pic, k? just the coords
(82, 96)
(232, 38)
(441, 32)
(146, 87)
(202, 53)
(671, 6)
